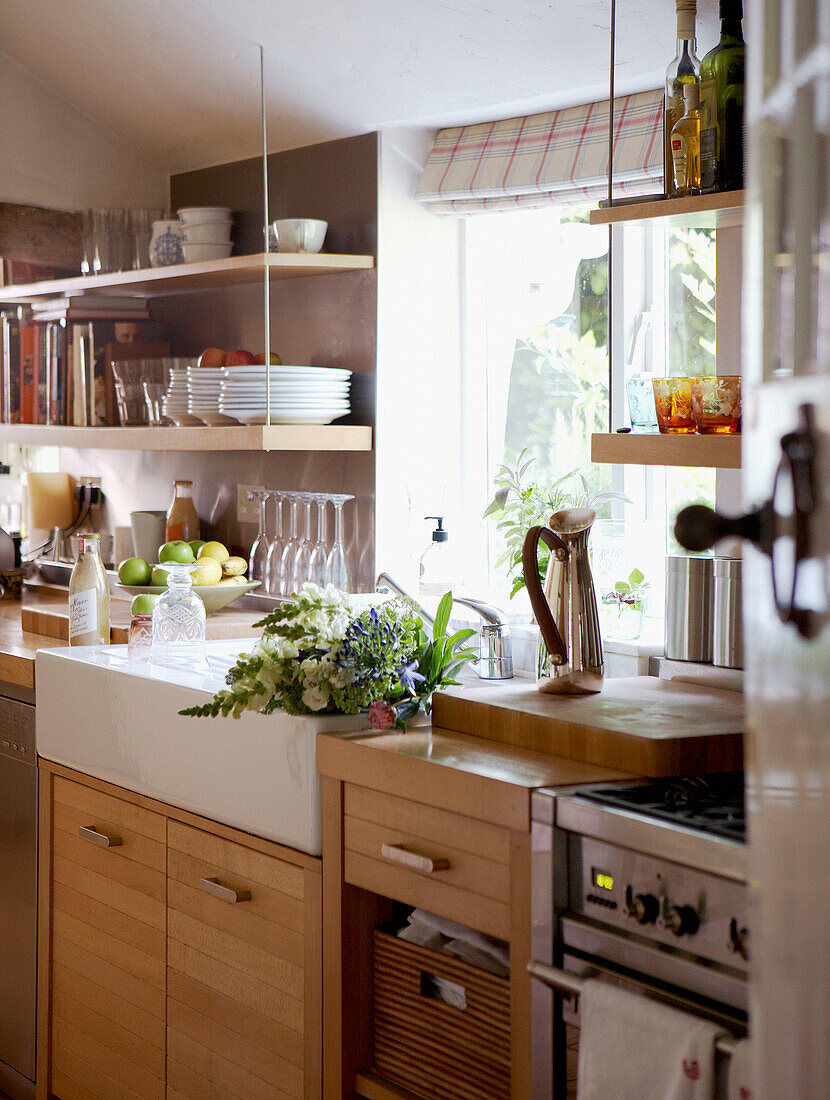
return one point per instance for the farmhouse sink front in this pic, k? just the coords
(118, 720)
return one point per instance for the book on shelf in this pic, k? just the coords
(10, 364)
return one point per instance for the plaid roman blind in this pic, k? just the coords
(554, 157)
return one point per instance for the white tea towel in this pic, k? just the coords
(634, 1048)
(497, 948)
(740, 1076)
(468, 953)
(422, 935)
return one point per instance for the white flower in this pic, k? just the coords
(316, 698)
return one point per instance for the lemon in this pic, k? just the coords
(207, 571)
(234, 567)
(214, 550)
(235, 581)
(134, 571)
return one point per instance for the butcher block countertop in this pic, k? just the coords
(638, 724)
(18, 647)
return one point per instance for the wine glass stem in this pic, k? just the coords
(262, 520)
(338, 523)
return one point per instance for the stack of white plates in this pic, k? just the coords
(177, 398)
(203, 388)
(299, 395)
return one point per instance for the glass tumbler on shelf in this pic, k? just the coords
(673, 405)
(179, 622)
(716, 404)
(641, 403)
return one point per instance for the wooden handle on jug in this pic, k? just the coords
(530, 568)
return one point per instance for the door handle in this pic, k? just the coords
(214, 887)
(103, 840)
(699, 528)
(424, 865)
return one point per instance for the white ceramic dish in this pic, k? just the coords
(287, 418)
(197, 253)
(213, 596)
(195, 215)
(207, 232)
(299, 234)
(256, 371)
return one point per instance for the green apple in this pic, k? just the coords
(160, 576)
(143, 604)
(177, 551)
(196, 545)
(134, 571)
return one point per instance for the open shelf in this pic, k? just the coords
(183, 278)
(276, 437)
(720, 211)
(719, 451)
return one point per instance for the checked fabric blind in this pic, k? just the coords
(555, 157)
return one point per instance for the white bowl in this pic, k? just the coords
(213, 596)
(193, 253)
(207, 233)
(299, 234)
(194, 215)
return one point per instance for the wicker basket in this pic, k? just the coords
(428, 1046)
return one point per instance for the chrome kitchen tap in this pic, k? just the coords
(495, 647)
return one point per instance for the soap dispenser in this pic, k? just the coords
(435, 573)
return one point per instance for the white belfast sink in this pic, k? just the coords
(118, 720)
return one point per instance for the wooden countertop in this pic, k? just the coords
(18, 647)
(453, 771)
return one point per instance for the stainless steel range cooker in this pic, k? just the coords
(644, 885)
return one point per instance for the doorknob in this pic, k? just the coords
(698, 528)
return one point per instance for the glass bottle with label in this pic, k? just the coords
(722, 105)
(89, 595)
(685, 145)
(182, 519)
(682, 70)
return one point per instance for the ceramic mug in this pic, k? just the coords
(166, 243)
(148, 534)
(299, 234)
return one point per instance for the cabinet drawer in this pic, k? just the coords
(453, 865)
(236, 958)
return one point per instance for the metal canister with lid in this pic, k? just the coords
(689, 609)
(727, 625)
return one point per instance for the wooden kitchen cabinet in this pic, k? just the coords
(178, 958)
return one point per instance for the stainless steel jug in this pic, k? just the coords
(569, 658)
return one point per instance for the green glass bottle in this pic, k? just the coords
(681, 71)
(722, 105)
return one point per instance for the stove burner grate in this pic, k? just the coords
(712, 804)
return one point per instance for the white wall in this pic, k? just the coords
(56, 157)
(418, 445)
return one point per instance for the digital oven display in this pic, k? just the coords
(601, 879)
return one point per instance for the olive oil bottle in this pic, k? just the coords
(722, 105)
(685, 145)
(682, 70)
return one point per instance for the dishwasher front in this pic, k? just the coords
(18, 892)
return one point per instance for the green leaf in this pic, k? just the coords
(621, 586)
(442, 616)
(635, 577)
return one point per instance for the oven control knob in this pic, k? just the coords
(739, 940)
(644, 908)
(682, 920)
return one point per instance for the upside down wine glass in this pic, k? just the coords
(259, 548)
(337, 567)
(273, 563)
(317, 563)
(289, 554)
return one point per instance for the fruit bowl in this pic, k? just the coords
(213, 596)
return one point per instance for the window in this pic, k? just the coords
(536, 375)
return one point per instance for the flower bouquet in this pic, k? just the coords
(318, 654)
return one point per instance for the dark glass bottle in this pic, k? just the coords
(722, 105)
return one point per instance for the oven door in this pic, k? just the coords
(590, 952)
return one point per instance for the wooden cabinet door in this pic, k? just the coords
(107, 947)
(242, 1016)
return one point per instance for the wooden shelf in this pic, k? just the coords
(719, 451)
(185, 278)
(277, 437)
(720, 211)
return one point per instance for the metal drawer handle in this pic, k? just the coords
(89, 832)
(214, 887)
(396, 853)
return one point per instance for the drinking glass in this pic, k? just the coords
(273, 563)
(317, 563)
(290, 552)
(179, 622)
(302, 559)
(259, 549)
(337, 567)
(716, 404)
(673, 403)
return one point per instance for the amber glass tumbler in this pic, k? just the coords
(716, 404)
(673, 402)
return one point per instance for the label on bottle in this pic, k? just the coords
(83, 613)
(680, 157)
(708, 134)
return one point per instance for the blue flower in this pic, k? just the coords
(409, 675)
(373, 615)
